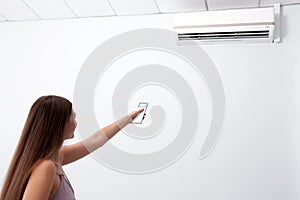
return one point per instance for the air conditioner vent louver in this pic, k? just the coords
(224, 35)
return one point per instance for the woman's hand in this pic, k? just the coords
(135, 113)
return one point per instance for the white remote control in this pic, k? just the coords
(139, 118)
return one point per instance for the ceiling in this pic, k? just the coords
(26, 10)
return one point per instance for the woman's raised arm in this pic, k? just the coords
(71, 153)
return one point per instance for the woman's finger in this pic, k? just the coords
(135, 113)
(140, 110)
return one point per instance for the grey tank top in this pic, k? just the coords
(65, 190)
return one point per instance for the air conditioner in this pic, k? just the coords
(229, 26)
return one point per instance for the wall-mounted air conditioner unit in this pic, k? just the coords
(260, 25)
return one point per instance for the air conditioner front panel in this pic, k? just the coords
(224, 18)
(246, 25)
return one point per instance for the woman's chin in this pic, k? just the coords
(69, 137)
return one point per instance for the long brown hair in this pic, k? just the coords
(42, 137)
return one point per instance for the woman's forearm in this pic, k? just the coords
(101, 136)
(112, 129)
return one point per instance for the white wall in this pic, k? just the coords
(257, 156)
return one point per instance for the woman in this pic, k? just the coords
(35, 172)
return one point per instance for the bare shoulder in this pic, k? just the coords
(46, 167)
(41, 181)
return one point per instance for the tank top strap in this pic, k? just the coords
(65, 190)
